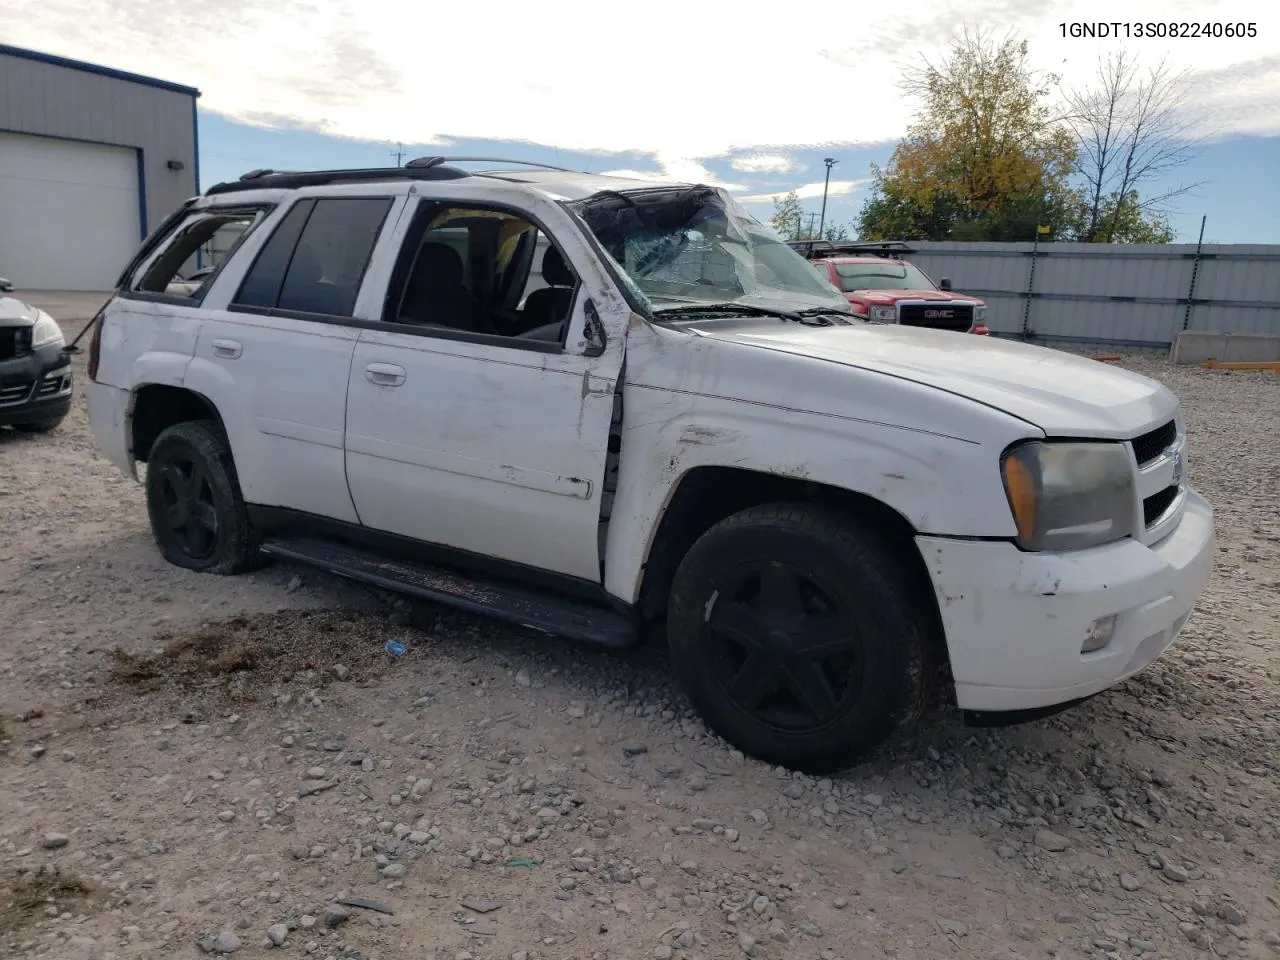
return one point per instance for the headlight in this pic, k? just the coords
(46, 333)
(1068, 496)
(884, 314)
(979, 314)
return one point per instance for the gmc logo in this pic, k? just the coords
(939, 314)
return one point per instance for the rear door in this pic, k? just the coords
(274, 351)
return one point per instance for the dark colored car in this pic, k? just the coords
(35, 370)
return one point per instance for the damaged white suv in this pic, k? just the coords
(591, 405)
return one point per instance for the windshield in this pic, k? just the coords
(881, 276)
(692, 245)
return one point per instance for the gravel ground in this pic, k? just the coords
(192, 763)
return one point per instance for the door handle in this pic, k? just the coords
(227, 349)
(384, 374)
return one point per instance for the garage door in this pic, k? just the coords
(69, 214)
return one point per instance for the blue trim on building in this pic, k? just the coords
(195, 143)
(94, 68)
(142, 194)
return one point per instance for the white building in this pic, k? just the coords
(91, 159)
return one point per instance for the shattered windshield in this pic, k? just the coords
(693, 245)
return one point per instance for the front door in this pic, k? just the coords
(476, 417)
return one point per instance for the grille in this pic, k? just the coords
(1150, 445)
(1154, 507)
(50, 386)
(14, 342)
(15, 393)
(939, 316)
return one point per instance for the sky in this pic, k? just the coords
(689, 90)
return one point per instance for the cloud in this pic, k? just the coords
(762, 163)
(590, 78)
(675, 169)
(809, 190)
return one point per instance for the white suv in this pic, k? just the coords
(665, 418)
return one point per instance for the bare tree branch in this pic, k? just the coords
(1131, 127)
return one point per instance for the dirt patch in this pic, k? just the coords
(28, 893)
(244, 659)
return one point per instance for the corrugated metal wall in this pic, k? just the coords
(1128, 295)
(58, 101)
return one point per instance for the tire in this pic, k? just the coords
(205, 529)
(836, 660)
(40, 426)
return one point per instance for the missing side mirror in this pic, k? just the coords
(593, 331)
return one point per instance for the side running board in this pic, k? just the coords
(528, 608)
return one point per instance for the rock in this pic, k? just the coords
(1175, 873)
(1232, 914)
(54, 841)
(480, 904)
(307, 922)
(1129, 882)
(226, 816)
(761, 905)
(1048, 840)
(335, 915)
(226, 942)
(662, 952)
(310, 787)
(394, 871)
(421, 788)
(277, 933)
(747, 943)
(760, 817)
(874, 799)
(341, 671)
(690, 867)
(841, 902)
(953, 928)
(523, 679)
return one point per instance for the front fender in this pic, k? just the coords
(750, 410)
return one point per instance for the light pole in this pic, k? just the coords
(822, 221)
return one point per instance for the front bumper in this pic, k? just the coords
(1016, 621)
(35, 387)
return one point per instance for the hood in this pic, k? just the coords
(1062, 394)
(15, 313)
(893, 296)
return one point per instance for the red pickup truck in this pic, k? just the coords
(885, 288)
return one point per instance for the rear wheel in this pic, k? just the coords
(799, 635)
(197, 513)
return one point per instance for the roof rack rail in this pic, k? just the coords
(428, 162)
(829, 248)
(283, 180)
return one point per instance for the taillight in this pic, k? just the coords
(95, 343)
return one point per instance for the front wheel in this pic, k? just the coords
(197, 514)
(799, 635)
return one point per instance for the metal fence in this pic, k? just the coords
(1122, 295)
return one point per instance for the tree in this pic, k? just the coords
(787, 215)
(1131, 127)
(789, 220)
(984, 158)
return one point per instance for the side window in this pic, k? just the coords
(484, 271)
(195, 249)
(316, 259)
(261, 286)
